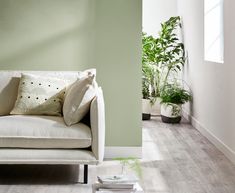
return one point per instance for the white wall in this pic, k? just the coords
(155, 12)
(211, 83)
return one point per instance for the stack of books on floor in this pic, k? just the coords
(117, 184)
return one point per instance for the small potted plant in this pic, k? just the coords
(172, 98)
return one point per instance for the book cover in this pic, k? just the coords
(114, 179)
(116, 185)
(136, 189)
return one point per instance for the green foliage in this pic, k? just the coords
(176, 110)
(169, 49)
(132, 163)
(162, 56)
(148, 69)
(170, 53)
(173, 93)
(146, 81)
(145, 89)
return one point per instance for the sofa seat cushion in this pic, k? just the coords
(30, 131)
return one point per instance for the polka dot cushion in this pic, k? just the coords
(38, 95)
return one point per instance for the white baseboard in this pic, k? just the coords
(227, 151)
(116, 151)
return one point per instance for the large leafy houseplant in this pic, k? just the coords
(170, 53)
(149, 77)
(150, 71)
(163, 55)
(147, 82)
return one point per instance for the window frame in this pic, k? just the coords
(221, 33)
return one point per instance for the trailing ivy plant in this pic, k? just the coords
(164, 55)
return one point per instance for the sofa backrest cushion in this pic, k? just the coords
(9, 82)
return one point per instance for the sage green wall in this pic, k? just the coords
(79, 34)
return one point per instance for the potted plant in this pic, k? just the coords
(165, 55)
(149, 69)
(172, 98)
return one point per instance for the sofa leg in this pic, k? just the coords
(85, 174)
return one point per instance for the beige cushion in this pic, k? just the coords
(9, 82)
(77, 100)
(38, 95)
(28, 131)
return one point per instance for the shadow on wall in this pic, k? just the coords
(46, 43)
(39, 49)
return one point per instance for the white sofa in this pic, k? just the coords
(32, 139)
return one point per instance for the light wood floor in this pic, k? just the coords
(176, 159)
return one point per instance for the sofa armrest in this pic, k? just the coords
(97, 120)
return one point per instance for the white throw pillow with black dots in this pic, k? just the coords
(38, 95)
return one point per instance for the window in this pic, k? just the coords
(213, 31)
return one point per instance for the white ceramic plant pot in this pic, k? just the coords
(171, 113)
(156, 107)
(146, 109)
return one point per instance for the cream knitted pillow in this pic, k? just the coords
(38, 95)
(78, 98)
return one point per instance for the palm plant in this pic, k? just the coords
(170, 53)
(150, 71)
(162, 56)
